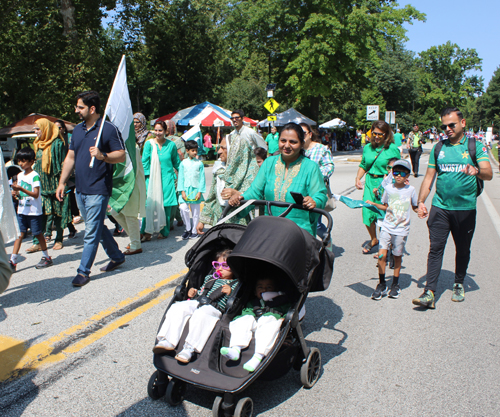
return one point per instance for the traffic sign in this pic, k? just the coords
(271, 118)
(372, 112)
(390, 117)
(271, 105)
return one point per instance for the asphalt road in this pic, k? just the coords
(79, 352)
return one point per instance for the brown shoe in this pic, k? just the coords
(57, 246)
(33, 249)
(132, 252)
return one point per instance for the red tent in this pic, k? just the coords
(27, 125)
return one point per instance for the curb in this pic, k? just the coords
(492, 158)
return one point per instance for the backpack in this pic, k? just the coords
(472, 153)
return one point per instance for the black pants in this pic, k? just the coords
(461, 224)
(415, 158)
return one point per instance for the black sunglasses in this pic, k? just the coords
(400, 173)
(450, 125)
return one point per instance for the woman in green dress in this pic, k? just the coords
(376, 156)
(290, 171)
(159, 160)
(50, 152)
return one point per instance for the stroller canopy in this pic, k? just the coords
(279, 242)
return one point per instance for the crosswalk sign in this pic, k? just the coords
(271, 105)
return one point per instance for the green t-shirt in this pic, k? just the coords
(272, 142)
(398, 137)
(454, 189)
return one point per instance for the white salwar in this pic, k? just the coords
(155, 212)
(266, 329)
(201, 323)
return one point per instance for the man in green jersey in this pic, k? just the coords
(454, 203)
(414, 145)
(272, 141)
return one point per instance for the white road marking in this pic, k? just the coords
(490, 208)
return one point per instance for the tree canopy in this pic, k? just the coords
(329, 58)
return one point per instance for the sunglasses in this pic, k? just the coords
(388, 167)
(400, 173)
(235, 118)
(381, 135)
(220, 265)
(449, 125)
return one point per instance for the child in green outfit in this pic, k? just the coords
(262, 316)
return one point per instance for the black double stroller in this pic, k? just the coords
(299, 262)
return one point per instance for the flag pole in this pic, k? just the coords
(98, 139)
(104, 116)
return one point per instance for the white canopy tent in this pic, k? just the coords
(291, 115)
(333, 124)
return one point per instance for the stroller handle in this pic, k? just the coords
(289, 207)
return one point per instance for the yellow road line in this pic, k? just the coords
(41, 354)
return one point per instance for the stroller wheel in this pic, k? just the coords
(217, 407)
(244, 408)
(309, 372)
(157, 385)
(175, 392)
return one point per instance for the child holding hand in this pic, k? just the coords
(263, 317)
(203, 311)
(397, 200)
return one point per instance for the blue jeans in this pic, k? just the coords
(93, 210)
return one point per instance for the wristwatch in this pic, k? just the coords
(105, 155)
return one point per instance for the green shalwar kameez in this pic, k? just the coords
(239, 174)
(375, 175)
(54, 211)
(169, 160)
(274, 184)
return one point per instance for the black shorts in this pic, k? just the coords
(30, 222)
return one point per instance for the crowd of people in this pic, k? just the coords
(170, 184)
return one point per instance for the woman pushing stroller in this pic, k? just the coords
(203, 310)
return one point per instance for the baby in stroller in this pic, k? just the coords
(203, 310)
(262, 316)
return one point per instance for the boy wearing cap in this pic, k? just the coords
(397, 200)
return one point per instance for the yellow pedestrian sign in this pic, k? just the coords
(271, 105)
(271, 118)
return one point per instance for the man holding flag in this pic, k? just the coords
(96, 145)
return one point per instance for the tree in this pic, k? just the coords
(315, 45)
(50, 51)
(444, 78)
(491, 101)
(176, 53)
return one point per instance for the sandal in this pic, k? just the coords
(160, 237)
(33, 249)
(57, 246)
(367, 247)
(146, 238)
(48, 238)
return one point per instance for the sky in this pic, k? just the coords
(468, 23)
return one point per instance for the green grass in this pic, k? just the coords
(494, 150)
